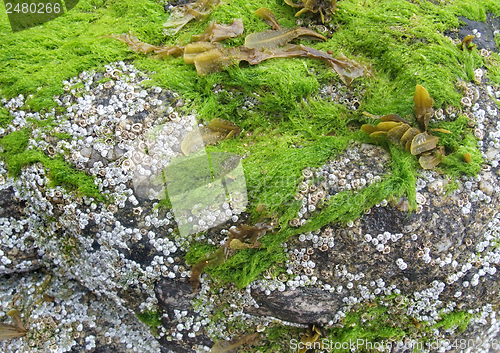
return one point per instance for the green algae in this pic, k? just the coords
(16, 155)
(453, 319)
(152, 319)
(5, 117)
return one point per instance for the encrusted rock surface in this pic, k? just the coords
(104, 262)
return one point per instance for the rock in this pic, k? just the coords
(84, 270)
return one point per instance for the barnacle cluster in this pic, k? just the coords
(344, 174)
(399, 130)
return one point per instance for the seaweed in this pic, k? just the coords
(328, 7)
(268, 17)
(16, 330)
(242, 237)
(273, 38)
(398, 130)
(311, 336)
(182, 14)
(467, 42)
(423, 107)
(209, 56)
(216, 32)
(144, 48)
(218, 129)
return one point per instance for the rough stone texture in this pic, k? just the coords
(105, 262)
(301, 305)
(486, 37)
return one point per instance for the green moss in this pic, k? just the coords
(63, 136)
(152, 319)
(5, 117)
(196, 251)
(458, 319)
(15, 142)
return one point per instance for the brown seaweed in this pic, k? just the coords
(210, 57)
(212, 259)
(144, 48)
(368, 128)
(431, 159)
(216, 32)
(423, 106)
(312, 335)
(214, 60)
(274, 38)
(268, 17)
(218, 124)
(467, 42)
(409, 135)
(192, 50)
(387, 125)
(198, 138)
(395, 134)
(16, 330)
(242, 237)
(397, 130)
(423, 142)
(182, 14)
(388, 117)
(347, 69)
(467, 157)
(217, 130)
(328, 7)
(222, 346)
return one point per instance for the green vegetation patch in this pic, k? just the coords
(61, 173)
(458, 319)
(5, 117)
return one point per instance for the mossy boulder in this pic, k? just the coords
(360, 242)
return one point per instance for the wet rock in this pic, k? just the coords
(484, 32)
(305, 306)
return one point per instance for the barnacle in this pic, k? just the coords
(328, 7)
(398, 130)
(217, 130)
(242, 237)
